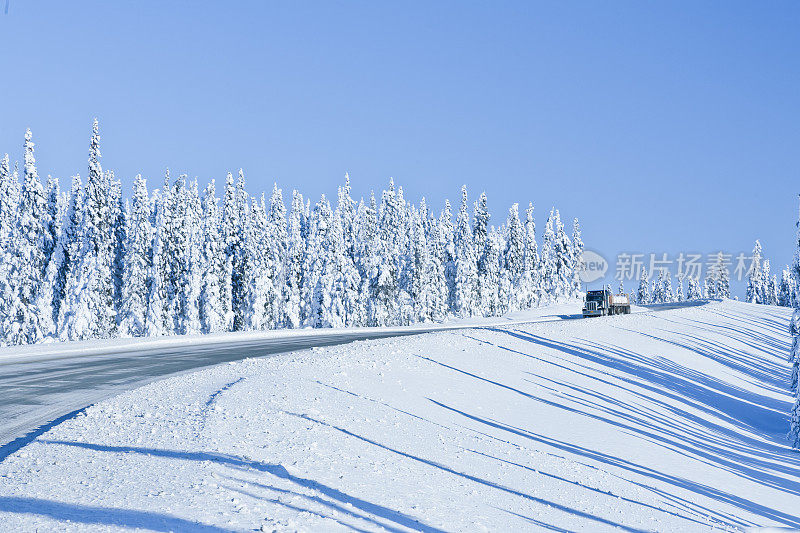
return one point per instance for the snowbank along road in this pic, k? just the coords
(654, 421)
(44, 384)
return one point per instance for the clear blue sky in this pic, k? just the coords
(683, 116)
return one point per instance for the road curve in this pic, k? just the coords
(43, 385)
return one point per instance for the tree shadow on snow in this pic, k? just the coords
(105, 516)
(668, 385)
(276, 470)
(600, 457)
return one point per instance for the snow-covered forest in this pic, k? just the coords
(88, 263)
(763, 287)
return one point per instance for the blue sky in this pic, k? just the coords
(665, 127)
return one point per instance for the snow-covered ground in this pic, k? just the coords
(655, 421)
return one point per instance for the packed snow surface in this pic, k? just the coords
(655, 421)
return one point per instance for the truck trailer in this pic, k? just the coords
(601, 303)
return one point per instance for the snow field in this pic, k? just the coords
(655, 421)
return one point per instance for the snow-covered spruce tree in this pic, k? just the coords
(66, 257)
(257, 270)
(346, 213)
(9, 202)
(191, 280)
(621, 289)
(418, 260)
(157, 322)
(548, 270)
(772, 290)
(643, 294)
(564, 257)
(466, 263)
(446, 236)
(513, 260)
(294, 312)
(795, 269)
(710, 282)
(230, 239)
(366, 253)
(405, 307)
(667, 288)
(694, 292)
(212, 314)
(54, 218)
(723, 287)
(315, 296)
(531, 274)
(679, 294)
(136, 267)
(174, 237)
(755, 281)
(31, 306)
(480, 232)
(577, 257)
(119, 214)
(787, 288)
(90, 312)
(239, 302)
(658, 296)
(346, 307)
(434, 298)
(794, 359)
(767, 288)
(56, 211)
(384, 301)
(278, 249)
(9, 210)
(490, 293)
(480, 224)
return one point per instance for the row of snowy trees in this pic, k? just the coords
(661, 290)
(88, 263)
(762, 288)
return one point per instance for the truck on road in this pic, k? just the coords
(603, 302)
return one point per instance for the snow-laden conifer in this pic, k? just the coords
(513, 259)
(466, 262)
(723, 288)
(136, 267)
(787, 289)
(577, 257)
(446, 244)
(643, 293)
(549, 261)
(91, 313)
(295, 313)
(755, 279)
(693, 291)
(31, 305)
(794, 360)
(157, 322)
(230, 239)
(212, 312)
(531, 273)
(564, 260)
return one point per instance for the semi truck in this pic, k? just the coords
(603, 302)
